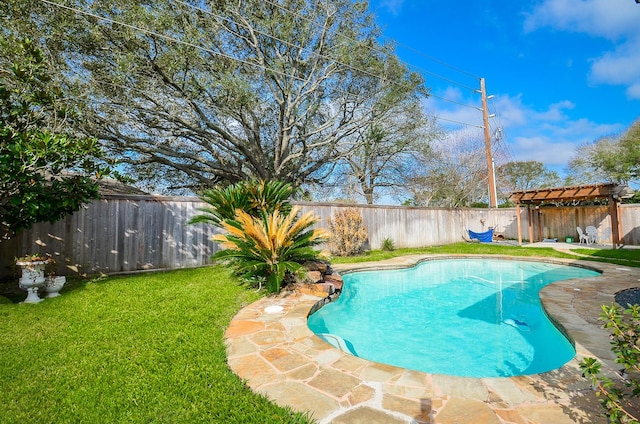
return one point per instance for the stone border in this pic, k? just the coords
(279, 356)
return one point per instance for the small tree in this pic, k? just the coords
(348, 233)
(619, 399)
(253, 197)
(268, 247)
(46, 171)
(265, 240)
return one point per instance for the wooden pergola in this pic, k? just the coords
(612, 192)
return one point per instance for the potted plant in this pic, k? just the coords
(53, 283)
(33, 278)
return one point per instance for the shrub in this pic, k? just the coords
(266, 248)
(619, 399)
(348, 233)
(388, 245)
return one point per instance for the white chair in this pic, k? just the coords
(582, 236)
(592, 234)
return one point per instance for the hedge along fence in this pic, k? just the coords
(130, 233)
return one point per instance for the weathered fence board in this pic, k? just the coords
(129, 233)
(119, 234)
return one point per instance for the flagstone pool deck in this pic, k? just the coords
(277, 355)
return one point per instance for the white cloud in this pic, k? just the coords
(393, 6)
(555, 112)
(621, 66)
(634, 91)
(551, 152)
(546, 135)
(616, 20)
(602, 18)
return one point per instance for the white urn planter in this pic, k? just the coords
(32, 279)
(53, 285)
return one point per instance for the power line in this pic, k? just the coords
(330, 57)
(502, 141)
(178, 41)
(398, 43)
(466, 124)
(433, 59)
(454, 101)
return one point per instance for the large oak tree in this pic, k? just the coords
(194, 93)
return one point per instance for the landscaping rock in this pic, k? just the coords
(318, 265)
(314, 277)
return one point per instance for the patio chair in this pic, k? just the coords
(582, 236)
(592, 234)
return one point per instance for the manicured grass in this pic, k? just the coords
(456, 248)
(619, 255)
(149, 347)
(630, 257)
(132, 349)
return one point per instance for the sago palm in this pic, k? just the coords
(252, 197)
(269, 246)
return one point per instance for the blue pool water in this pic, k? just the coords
(463, 317)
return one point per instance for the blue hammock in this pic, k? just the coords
(485, 237)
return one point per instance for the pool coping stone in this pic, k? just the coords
(279, 356)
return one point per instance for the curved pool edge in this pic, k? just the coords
(279, 356)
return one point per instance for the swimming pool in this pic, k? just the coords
(462, 317)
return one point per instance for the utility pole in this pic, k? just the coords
(493, 201)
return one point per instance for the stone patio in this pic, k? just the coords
(278, 356)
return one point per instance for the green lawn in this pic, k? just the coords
(149, 348)
(630, 257)
(137, 349)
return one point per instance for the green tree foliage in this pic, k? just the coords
(619, 398)
(196, 93)
(266, 248)
(630, 144)
(252, 197)
(608, 159)
(525, 175)
(46, 170)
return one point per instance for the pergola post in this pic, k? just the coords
(519, 224)
(615, 221)
(530, 219)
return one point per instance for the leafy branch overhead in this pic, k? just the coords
(191, 94)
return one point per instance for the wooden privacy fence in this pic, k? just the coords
(129, 233)
(119, 234)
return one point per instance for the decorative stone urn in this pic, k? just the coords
(53, 285)
(32, 278)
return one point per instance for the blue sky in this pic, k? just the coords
(563, 72)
